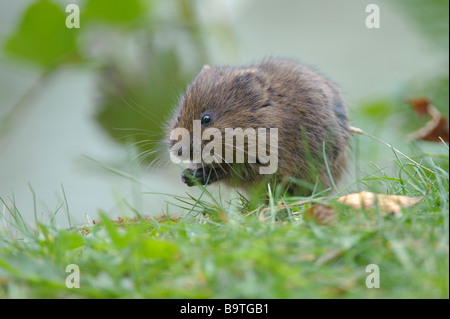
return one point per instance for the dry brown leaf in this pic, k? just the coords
(223, 216)
(386, 203)
(261, 217)
(434, 129)
(420, 105)
(321, 214)
(332, 254)
(307, 257)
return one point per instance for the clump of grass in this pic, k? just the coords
(237, 249)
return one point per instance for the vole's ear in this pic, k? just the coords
(247, 72)
(206, 67)
(250, 75)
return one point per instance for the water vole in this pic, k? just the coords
(304, 106)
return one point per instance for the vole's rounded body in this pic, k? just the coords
(305, 107)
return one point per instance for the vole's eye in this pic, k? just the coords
(206, 119)
(179, 116)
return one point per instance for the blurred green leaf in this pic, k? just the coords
(32, 269)
(377, 109)
(430, 17)
(114, 11)
(42, 36)
(68, 240)
(111, 229)
(150, 248)
(137, 102)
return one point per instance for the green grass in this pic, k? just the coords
(232, 250)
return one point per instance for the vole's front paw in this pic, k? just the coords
(202, 175)
(192, 177)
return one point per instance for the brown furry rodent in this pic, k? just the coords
(305, 107)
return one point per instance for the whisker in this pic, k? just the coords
(215, 172)
(229, 166)
(141, 143)
(235, 147)
(143, 155)
(203, 167)
(132, 129)
(149, 115)
(220, 165)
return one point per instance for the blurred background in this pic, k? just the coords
(82, 110)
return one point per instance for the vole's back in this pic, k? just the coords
(311, 118)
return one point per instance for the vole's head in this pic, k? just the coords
(223, 98)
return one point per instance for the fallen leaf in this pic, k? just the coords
(223, 216)
(434, 129)
(386, 203)
(261, 217)
(321, 214)
(307, 257)
(420, 105)
(332, 254)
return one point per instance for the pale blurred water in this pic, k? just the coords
(46, 146)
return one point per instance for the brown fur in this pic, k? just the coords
(305, 106)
